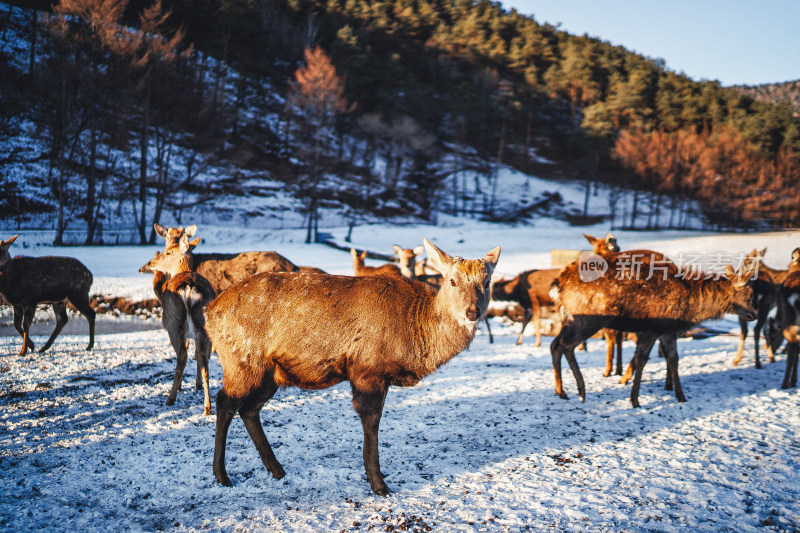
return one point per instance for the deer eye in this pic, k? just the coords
(452, 282)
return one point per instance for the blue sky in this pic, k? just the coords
(733, 41)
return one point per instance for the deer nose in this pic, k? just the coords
(472, 313)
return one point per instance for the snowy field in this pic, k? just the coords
(86, 442)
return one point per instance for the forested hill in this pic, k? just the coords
(372, 108)
(774, 93)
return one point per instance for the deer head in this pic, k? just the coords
(4, 246)
(603, 246)
(172, 236)
(174, 259)
(466, 284)
(742, 296)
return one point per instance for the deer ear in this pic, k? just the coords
(193, 244)
(419, 249)
(591, 239)
(353, 252)
(191, 230)
(439, 259)
(397, 249)
(161, 230)
(762, 252)
(9, 241)
(183, 244)
(493, 256)
(796, 255)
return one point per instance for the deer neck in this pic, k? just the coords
(441, 335)
(709, 299)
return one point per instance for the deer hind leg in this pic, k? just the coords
(488, 329)
(564, 344)
(742, 337)
(643, 346)
(369, 406)
(226, 409)
(202, 351)
(81, 303)
(19, 314)
(174, 320)
(526, 317)
(60, 310)
(669, 347)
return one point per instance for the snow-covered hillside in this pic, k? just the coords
(481, 445)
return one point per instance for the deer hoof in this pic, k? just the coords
(382, 491)
(563, 395)
(207, 411)
(223, 479)
(170, 401)
(278, 472)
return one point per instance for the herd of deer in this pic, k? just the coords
(274, 324)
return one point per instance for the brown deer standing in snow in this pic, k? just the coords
(360, 269)
(531, 290)
(184, 296)
(314, 331)
(28, 281)
(221, 270)
(656, 307)
(765, 297)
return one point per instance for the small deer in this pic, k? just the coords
(314, 331)
(28, 281)
(408, 258)
(359, 269)
(184, 296)
(656, 308)
(765, 298)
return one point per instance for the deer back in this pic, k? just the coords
(43, 279)
(657, 292)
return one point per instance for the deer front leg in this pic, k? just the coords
(618, 341)
(176, 337)
(249, 412)
(526, 317)
(611, 339)
(369, 406)
(60, 310)
(556, 350)
(742, 337)
(790, 376)
(19, 313)
(27, 318)
(537, 320)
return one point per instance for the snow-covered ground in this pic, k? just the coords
(86, 442)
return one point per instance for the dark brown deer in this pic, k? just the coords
(28, 281)
(360, 269)
(220, 269)
(184, 296)
(765, 297)
(655, 307)
(314, 331)
(786, 324)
